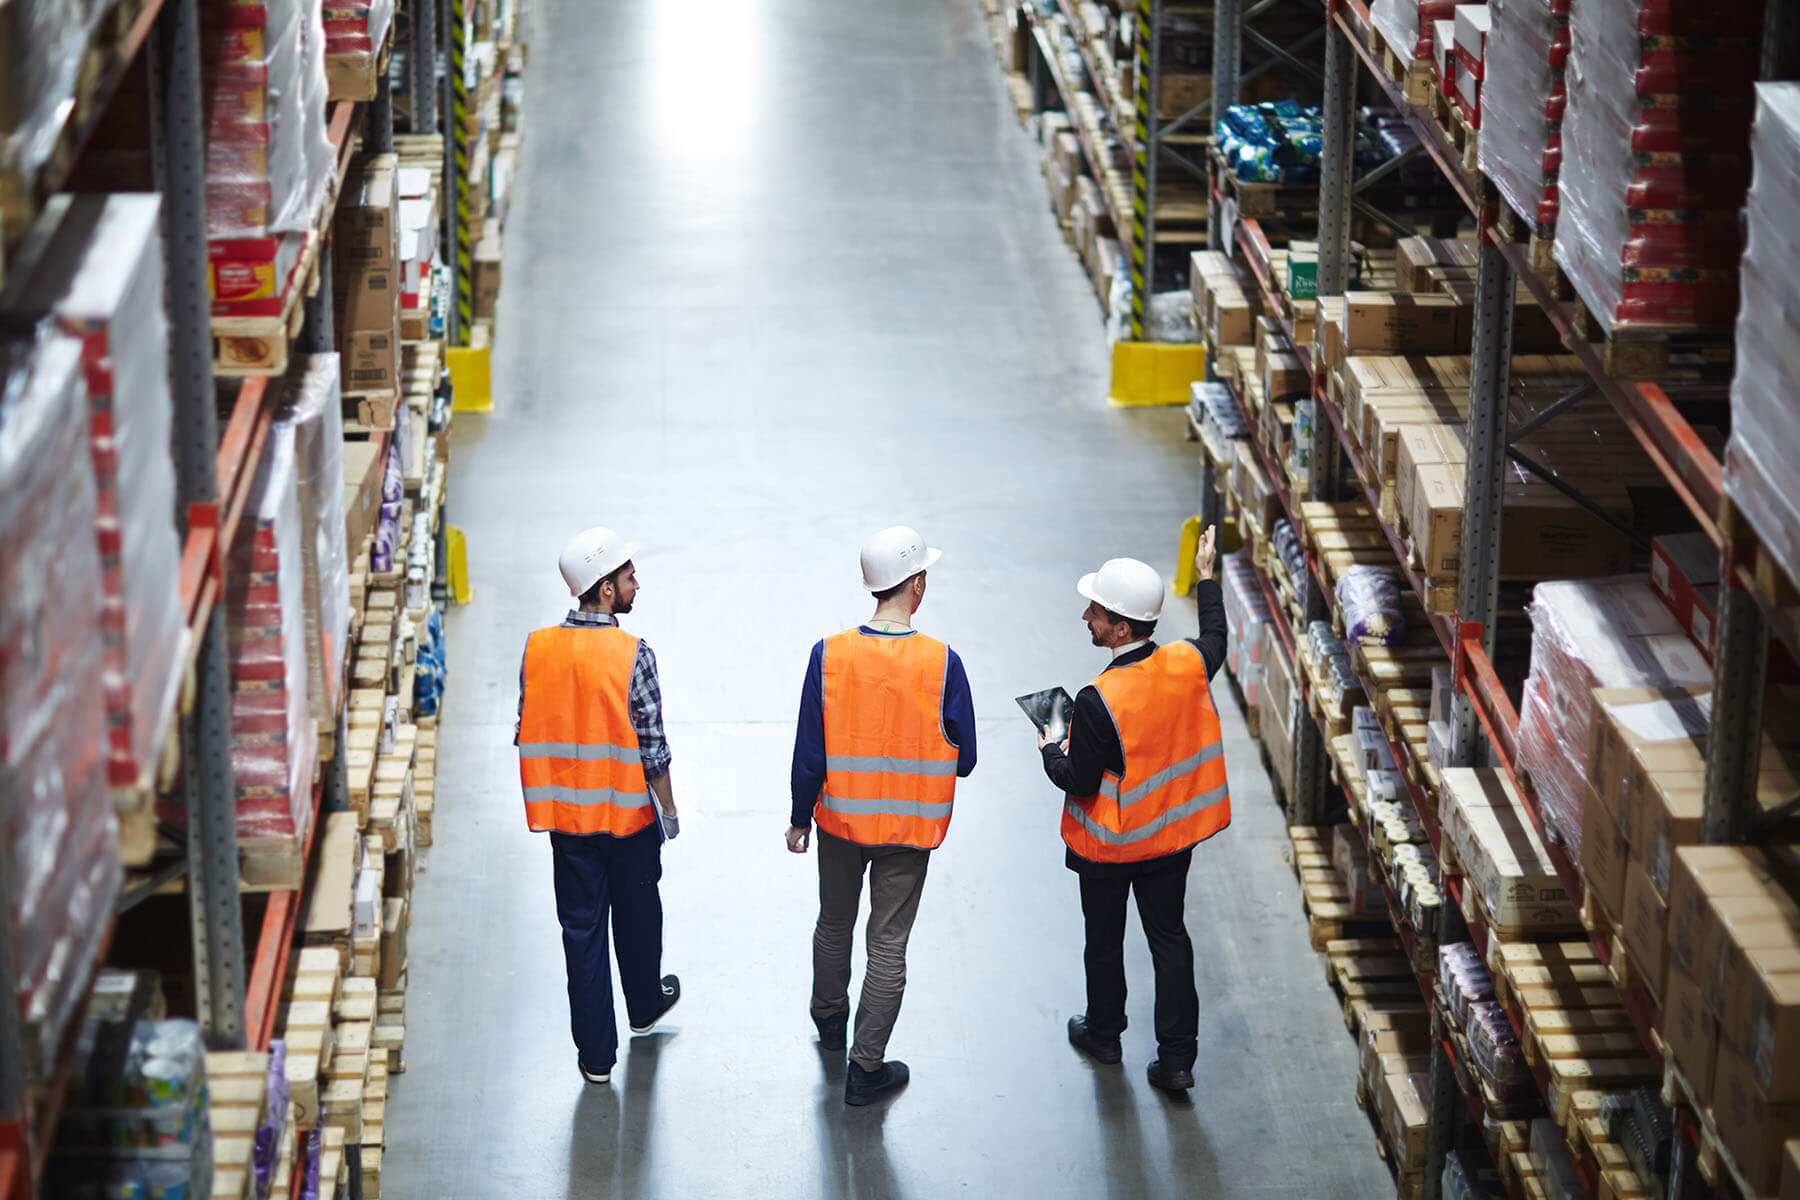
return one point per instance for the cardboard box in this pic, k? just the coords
(1506, 862)
(1790, 1171)
(366, 229)
(1774, 992)
(1402, 323)
(365, 299)
(1179, 92)
(1414, 256)
(1690, 1032)
(1754, 1128)
(1604, 853)
(1644, 927)
(362, 492)
(1702, 875)
(1285, 377)
(1679, 565)
(485, 278)
(370, 361)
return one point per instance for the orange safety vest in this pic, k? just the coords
(890, 771)
(579, 760)
(1173, 792)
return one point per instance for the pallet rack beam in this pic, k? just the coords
(422, 67)
(1740, 666)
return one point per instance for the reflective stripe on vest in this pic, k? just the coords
(890, 772)
(579, 761)
(1174, 792)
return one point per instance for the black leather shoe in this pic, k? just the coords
(1169, 1079)
(1097, 1047)
(671, 992)
(593, 1076)
(833, 1031)
(865, 1087)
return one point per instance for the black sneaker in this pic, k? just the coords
(1096, 1046)
(833, 1031)
(671, 992)
(593, 1076)
(1169, 1079)
(865, 1087)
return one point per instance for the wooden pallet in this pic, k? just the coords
(1538, 239)
(237, 1084)
(1774, 586)
(259, 345)
(1413, 76)
(1717, 1164)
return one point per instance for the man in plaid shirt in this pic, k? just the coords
(594, 764)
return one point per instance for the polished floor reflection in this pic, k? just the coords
(782, 272)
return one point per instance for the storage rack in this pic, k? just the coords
(1486, 724)
(237, 992)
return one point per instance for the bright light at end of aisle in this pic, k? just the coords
(705, 87)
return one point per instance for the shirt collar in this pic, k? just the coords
(1121, 651)
(577, 617)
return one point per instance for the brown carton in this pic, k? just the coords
(1690, 1032)
(1775, 1029)
(1604, 855)
(1700, 876)
(366, 230)
(1400, 323)
(1644, 927)
(370, 361)
(1753, 1127)
(365, 298)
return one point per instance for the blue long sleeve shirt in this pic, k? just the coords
(808, 779)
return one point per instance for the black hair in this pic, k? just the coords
(1140, 630)
(592, 595)
(886, 594)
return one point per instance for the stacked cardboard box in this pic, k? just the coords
(1511, 877)
(366, 278)
(1657, 158)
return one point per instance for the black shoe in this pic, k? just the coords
(833, 1031)
(593, 1076)
(671, 992)
(1096, 1046)
(1169, 1079)
(865, 1087)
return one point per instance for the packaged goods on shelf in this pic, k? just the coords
(1684, 570)
(1464, 978)
(1271, 143)
(1469, 32)
(1585, 635)
(268, 159)
(1656, 164)
(355, 31)
(1467, 1176)
(1507, 865)
(388, 531)
(1246, 612)
(137, 1122)
(1340, 690)
(44, 42)
(60, 827)
(1409, 26)
(1557, 1173)
(1280, 710)
(1351, 859)
(1370, 598)
(311, 409)
(1523, 98)
(1760, 478)
(274, 737)
(95, 266)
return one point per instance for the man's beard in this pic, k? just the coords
(619, 608)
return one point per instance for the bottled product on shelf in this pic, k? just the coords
(1656, 160)
(1523, 97)
(95, 266)
(1585, 635)
(60, 828)
(1760, 478)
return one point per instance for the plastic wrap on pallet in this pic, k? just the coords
(313, 410)
(274, 738)
(1464, 978)
(1289, 549)
(1587, 634)
(1467, 1176)
(357, 26)
(1218, 411)
(268, 160)
(429, 669)
(45, 41)
(1557, 1173)
(1172, 317)
(1656, 164)
(387, 530)
(1278, 142)
(1762, 474)
(137, 1122)
(59, 824)
(1522, 102)
(94, 265)
(1495, 1052)
(1370, 598)
(1246, 612)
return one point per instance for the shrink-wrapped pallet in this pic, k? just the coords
(1607, 633)
(94, 264)
(44, 41)
(312, 410)
(59, 825)
(1655, 162)
(1762, 467)
(1246, 612)
(1523, 94)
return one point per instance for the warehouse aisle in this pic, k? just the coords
(781, 273)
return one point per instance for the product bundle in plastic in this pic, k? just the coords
(268, 160)
(1656, 161)
(1246, 612)
(60, 831)
(1762, 471)
(1604, 633)
(1523, 96)
(355, 31)
(1408, 26)
(45, 43)
(137, 1122)
(94, 265)
(311, 409)
(274, 738)
(1370, 599)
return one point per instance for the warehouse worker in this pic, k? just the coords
(1143, 772)
(886, 728)
(591, 756)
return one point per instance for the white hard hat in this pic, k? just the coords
(893, 556)
(1126, 586)
(591, 556)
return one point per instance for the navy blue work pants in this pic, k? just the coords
(595, 875)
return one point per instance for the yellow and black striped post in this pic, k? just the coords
(460, 233)
(1143, 168)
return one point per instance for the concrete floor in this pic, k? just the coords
(782, 272)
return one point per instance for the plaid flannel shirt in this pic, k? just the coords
(645, 696)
